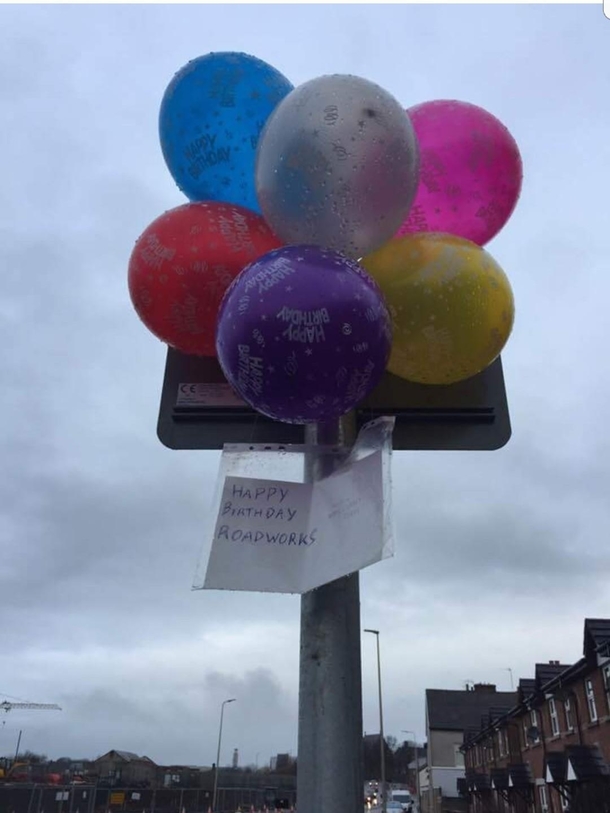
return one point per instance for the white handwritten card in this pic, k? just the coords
(261, 535)
(271, 532)
(284, 537)
(348, 514)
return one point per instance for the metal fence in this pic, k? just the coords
(92, 799)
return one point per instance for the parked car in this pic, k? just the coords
(404, 798)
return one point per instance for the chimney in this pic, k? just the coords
(488, 688)
(554, 663)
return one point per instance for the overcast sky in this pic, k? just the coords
(500, 555)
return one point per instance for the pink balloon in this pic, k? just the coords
(470, 172)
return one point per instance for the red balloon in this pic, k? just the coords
(183, 263)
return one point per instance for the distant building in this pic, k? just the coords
(449, 713)
(182, 776)
(549, 753)
(282, 762)
(126, 769)
(235, 763)
(417, 772)
(69, 768)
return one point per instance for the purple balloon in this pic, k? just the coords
(303, 334)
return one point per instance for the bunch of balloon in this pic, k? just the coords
(210, 119)
(329, 235)
(452, 305)
(304, 333)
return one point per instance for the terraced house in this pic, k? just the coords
(550, 753)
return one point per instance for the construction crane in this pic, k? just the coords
(6, 768)
(6, 706)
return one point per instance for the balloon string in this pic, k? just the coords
(254, 427)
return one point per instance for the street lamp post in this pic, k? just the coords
(381, 738)
(417, 786)
(222, 710)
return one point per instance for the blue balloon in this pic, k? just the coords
(211, 116)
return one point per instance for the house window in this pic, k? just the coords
(567, 707)
(565, 803)
(591, 700)
(606, 676)
(554, 717)
(458, 756)
(534, 724)
(544, 799)
(526, 742)
(500, 744)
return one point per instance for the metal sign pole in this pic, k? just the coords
(329, 772)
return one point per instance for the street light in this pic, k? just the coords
(384, 806)
(222, 710)
(408, 731)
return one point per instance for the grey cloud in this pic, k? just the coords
(175, 726)
(100, 527)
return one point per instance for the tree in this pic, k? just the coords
(372, 758)
(32, 757)
(404, 755)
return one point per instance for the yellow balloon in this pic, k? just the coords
(452, 306)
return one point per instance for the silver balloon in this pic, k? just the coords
(337, 165)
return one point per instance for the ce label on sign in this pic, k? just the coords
(210, 395)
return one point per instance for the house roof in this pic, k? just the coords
(482, 781)
(520, 775)
(452, 710)
(126, 756)
(556, 766)
(477, 781)
(371, 738)
(597, 634)
(586, 761)
(471, 732)
(527, 687)
(499, 778)
(550, 678)
(545, 672)
(496, 712)
(577, 762)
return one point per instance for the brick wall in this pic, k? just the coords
(493, 749)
